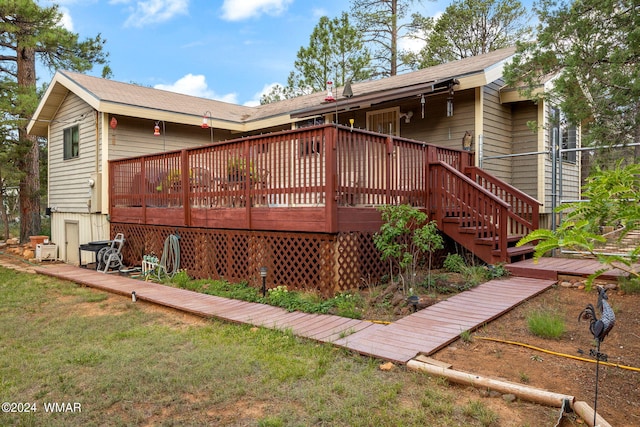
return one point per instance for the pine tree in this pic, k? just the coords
(29, 32)
(335, 53)
(381, 23)
(593, 49)
(469, 28)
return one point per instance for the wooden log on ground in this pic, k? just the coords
(586, 413)
(531, 394)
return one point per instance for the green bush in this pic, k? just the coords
(454, 263)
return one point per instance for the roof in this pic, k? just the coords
(114, 97)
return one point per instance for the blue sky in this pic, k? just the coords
(230, 50)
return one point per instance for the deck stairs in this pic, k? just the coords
(482, 213)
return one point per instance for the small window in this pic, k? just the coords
(71, 139)
(567, 134)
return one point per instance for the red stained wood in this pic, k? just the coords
(423, 332)
(551, 268)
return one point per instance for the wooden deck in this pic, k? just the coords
(423, 332)
(551, 268)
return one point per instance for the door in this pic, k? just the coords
(71, 242)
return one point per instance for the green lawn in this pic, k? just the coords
(124, 363)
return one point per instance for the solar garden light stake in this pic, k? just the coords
(263, 274)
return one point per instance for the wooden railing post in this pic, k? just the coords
(389, 151)
(330, 136)
(246, 187)
(185, 169)
(143, 189)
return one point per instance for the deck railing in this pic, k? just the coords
(320, 168)
(483, 206)
(524, 212)
(473, 207)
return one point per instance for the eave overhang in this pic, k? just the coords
(379, 97)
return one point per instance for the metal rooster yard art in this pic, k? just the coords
(599, 328)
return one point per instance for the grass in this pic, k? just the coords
(129, 364)
(630, 285)
(546, 324)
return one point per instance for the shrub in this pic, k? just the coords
(454, 263)
(404, 237)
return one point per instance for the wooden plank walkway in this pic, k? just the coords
(423, 332)
(550, 268)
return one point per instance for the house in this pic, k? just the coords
(463, 105)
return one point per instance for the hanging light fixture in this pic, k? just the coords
(329, 97)
(450, 101)
(156, 129)
(422, 102)
(205, 119)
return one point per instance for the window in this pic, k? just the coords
(71, 138)
(566, 134)
(384, 121)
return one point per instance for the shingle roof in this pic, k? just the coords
(111, 96)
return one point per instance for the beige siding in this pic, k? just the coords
(134, 137)
(497, 133)
(525, 168)
(436, 128)
(68, 179)
(91, 228)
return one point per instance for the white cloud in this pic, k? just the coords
(237, 10)
(416, 44)
(255, 101)
(412, 44)
(319, 12)
(152, 11)
(196, 85)
(66, 22)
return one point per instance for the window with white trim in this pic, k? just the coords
(71, 141)
(567, 134)
(385, 121)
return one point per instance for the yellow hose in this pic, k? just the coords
(631, 368)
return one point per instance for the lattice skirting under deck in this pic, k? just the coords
(323, 263)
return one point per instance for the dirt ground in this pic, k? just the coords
(618, 398)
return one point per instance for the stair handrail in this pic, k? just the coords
(484, 221)
(519, 201)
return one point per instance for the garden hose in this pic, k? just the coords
(170, 260)
(583, 359)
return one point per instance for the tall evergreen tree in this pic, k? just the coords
(382, 24)
(335, 53)
(469, 28)
(29, 32)
(593, 46)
